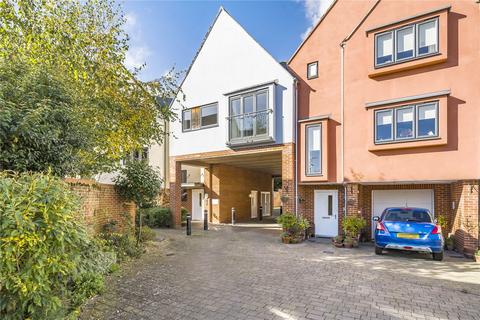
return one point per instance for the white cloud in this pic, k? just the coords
(136, 56)
(314, 9)
(138, 52)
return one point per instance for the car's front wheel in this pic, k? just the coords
(378, 250)
(438, 256)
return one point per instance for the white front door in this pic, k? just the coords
(325, 209)
(382, 199)
(197, 204)
(265, 203)
(254, 204)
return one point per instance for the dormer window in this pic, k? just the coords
(406, 43)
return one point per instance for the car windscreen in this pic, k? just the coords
(407, 215)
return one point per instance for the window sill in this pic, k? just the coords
(416, 63)
(250, 142)
(392, 145)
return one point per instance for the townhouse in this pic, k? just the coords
(388, 114)
(236, 111)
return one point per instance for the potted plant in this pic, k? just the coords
(286, 238)
(294, 229)
(337, 241)
(477, 256)
(304, 225)
(450, 242)
(348, 242)
(352, 227)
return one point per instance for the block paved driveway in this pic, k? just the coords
(246, 273)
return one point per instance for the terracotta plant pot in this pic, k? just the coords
(348, 245)
(477, 258)
(286, 240)
(338, 244)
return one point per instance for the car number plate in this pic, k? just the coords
(408, 235)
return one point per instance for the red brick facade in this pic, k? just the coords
(457, 202)
(231, 185)
(101, 204)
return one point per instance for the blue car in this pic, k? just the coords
(411, 229)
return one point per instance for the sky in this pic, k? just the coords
(167, 34)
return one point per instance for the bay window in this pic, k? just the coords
(249, 115)
(406, 43)
(413, 122)
(314, 149)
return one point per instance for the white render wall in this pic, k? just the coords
(230, 60)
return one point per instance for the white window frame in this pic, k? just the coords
(307, 151)
(416, 54)
(415, 137)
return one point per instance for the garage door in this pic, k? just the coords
(382, 199)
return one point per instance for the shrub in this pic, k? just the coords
(184, 213)
(353, 225)
(147, 234)
(155, 217)
(124, 245)
(293, 226)
(138, 182)
(45, 251)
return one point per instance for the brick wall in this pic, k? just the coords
(465, 215)
(306, 203)
(462, 221)
(101, 204)
(232, 186)
(187, 203)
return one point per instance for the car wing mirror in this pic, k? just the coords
(376, 218)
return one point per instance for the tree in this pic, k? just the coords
(38, 131)
(140, 183)
(84, 42)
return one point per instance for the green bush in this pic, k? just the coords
(293, 227)
(147, 234)
(155, 217)
(124, 245)
(45, 251)
(353, 225)
(184, 213)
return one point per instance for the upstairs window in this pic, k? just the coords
(312, 70)
(200, 117)
(249, 115)
(314, 149)
(427, 37)
(406, 43)
(413, 122)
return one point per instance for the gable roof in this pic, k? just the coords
(220, 10)
(313, 29)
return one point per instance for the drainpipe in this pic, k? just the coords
(342, 99)
(295, 102)
(342, 121)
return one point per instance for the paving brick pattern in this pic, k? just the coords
(246, 273)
